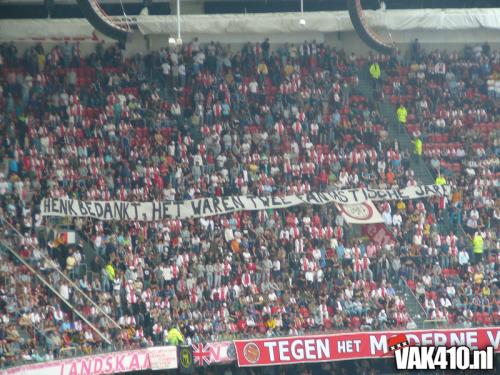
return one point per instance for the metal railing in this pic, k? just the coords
(36, 330)
(414, 297)
(429, 323)
(65, 277)
(51, 288)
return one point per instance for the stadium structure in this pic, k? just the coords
(247, 187)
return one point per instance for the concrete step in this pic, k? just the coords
(411, 304)
(414, 311)
(388, 111)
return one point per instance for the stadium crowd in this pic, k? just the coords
(209, 121)
(453, 109)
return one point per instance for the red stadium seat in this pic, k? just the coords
(355, 323)
(477, 318)
(486, 318)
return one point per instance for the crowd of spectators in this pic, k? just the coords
(33, 325)
(207, 120)
(454, 110)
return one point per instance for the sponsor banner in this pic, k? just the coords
(214, 353)
(349, 346)
(153, 211)
(362, 213)
(186, 360)
(378, 234)
(160, 358)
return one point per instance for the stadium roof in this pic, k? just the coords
(69, 8)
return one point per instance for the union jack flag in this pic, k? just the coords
(201, 354)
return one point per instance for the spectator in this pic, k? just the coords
(375, 73)
(478, 247)
(440, 180)
(402, 115)
(418, 148)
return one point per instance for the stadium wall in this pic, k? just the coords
(456, 27)
(444, 40)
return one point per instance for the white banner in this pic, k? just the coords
(203, 207)
(159, 358)
(361, 213)
(163, 358)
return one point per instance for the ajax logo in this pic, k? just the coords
(251, 352)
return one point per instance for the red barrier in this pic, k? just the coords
(342, 346)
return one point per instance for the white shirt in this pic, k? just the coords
(319, 275)
(463, 257)
(253, 87)
(450, 290)
(397, 220)
(497, 87)
(182, 70)
(165, 68)
(445, 302)
(199, 58)
(387, 218)
(167, 273)
(64, 291)
(426, 280)
(276, 265)
(3, 187)
(174, 58)
(440, 68)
